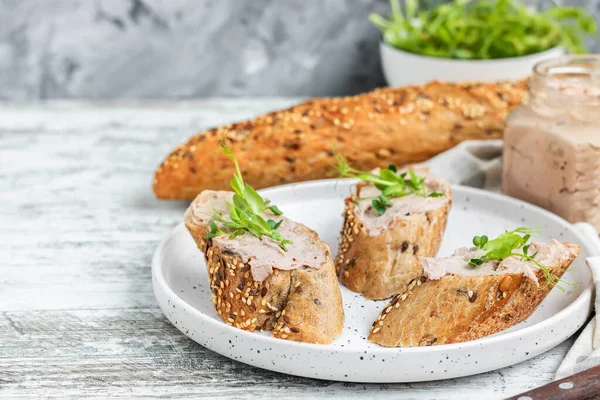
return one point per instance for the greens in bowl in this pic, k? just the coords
(483, 29)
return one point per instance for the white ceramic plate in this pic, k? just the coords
(182, 290)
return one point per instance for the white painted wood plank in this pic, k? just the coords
(122, 352)
(78, 226)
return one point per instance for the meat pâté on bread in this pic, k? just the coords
(475, 292)
(387, 126)
(393, 218)
(266, 271)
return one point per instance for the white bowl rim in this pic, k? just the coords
(559, 50)
(585, 295)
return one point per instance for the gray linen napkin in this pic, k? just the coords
(478, 163)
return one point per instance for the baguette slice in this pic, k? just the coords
(379, 255)
(298, 300)
(387, 126)
(457, 308)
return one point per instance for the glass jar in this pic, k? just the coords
(551, 153)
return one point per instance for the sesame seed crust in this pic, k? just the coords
(457, 308)
(380, 266)
(375, 129)
(303, 304)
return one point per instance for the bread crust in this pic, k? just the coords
(387, 126)
(457, 309)
(381, 266)
(303, 304)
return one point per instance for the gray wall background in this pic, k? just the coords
(111, 49)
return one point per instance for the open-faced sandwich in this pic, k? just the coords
(266, 272)
(475, 292)
(394, 217)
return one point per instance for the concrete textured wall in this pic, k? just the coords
(113, 49)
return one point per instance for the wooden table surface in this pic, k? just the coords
(78, 226)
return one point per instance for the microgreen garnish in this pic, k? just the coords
(388, 181)
(274, 209)
(380, 204)
(273, 224)
(214, 231)
(480, 241)
(507, 245)
(483, 29)
(247, 192)
(245, 212)
(502, 246)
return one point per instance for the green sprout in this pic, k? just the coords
(388, 181)
(506, 244)
(483, 29)
(245, 213)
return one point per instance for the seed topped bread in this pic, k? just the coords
(453, 302)
(379, 254)
(257, 285)
(387, 126)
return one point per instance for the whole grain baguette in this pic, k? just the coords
(387, 126)
(303, 304)
(457, 309)
(380, 266)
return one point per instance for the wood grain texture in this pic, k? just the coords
(584, 385)
(78, 226)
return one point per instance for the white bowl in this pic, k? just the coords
(403, 68)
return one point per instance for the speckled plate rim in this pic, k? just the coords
(582, 302)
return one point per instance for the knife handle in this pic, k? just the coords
(584, 385)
